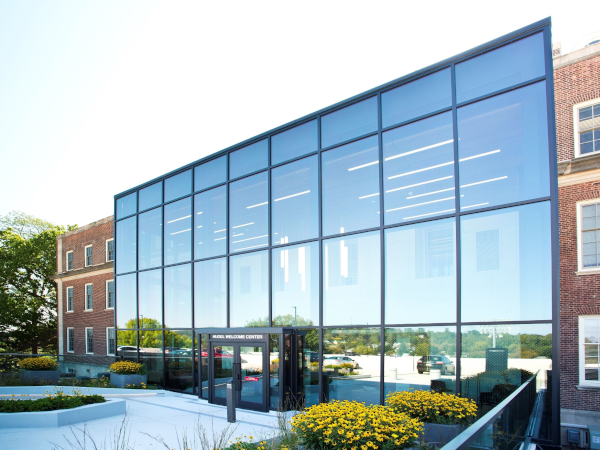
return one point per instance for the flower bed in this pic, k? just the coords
(128, 374)
(52, 403)
(432, 407)
(43, 363)
(353, 425)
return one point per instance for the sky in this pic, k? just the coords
(99, 97)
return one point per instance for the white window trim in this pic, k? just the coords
(70, 351)
(67, 261)
(582, 380)
(86, 340)
(107, 307)
(67, 299)
(106, 250)
(107, 346)
(580, 269)
(576, 109)
(85, 264)
(85, 308)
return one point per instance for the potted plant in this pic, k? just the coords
(445, 416)
(44, 369)
(124, 373)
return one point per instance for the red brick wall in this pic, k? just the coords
(573, 84)
(95, 236)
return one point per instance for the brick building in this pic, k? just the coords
(85, 290)
(577, 100)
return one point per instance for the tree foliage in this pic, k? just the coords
(27, 294)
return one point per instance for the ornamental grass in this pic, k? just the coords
(353, 425)
(128, 368)
(42, 363)
(432, 407)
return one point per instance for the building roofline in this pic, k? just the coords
(404, 79)
(86, 227)
(588, 52)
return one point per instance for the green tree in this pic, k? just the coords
(27, 294)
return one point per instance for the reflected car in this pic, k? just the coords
(339, 360)
(171, 349)
(128, 348)
(446, 366)
(217, 352)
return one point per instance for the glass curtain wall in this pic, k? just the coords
(407, 235)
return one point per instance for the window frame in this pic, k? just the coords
(67, 261)
(85, 256)
(581, 351)
(87, 352)
(85, 294)
(70, 341)
(576, 108)
(106, 250)
(67, 299)
(580, 269)
(108, 341)
(107, 292)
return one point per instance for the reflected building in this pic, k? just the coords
(392, 241)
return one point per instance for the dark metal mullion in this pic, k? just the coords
(269, 236)
(416, 119)
(350, 141)
(381, 256)
(227, 255)
(321, 262)
(501, 91)
(457, 253)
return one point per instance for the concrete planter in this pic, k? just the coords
(51, 376)
(121, 381)
(440, 435)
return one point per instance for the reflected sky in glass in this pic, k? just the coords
(150, 196)
(295, 142)
(126, 248)
(127, 205)
(249, 159)
(178, 185)
(178, 296)
(249, 289)
(127, 310)
(210, 173)
(349, 122)
(150, 298)
(178, 231)
(210, 223)
(248, 213)
(150, 239)
(210, 293)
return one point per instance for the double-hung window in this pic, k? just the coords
(69, 260)
(588, 236)
(110, 294)
(89, 260)
(70, 340)
(587, 127)
(110, 250)
(89, 297)
(69, 299)
(110, 341)
(89, 340)
(589, 343)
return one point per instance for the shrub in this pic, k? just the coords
(128, 368)
(58, 400)
(432, 407)
(353, 425)
(43, 363)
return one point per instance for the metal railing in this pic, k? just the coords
(505, 426)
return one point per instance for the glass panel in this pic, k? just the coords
(178, 296)
(249, 290)
(223, 366)
(210, 293)
(126, 245)
(127, 205)
(591, 331)
(509, 65)
(126, 312)
(503, 148)
(210, 219)
(151, 354)
(308, 366)
(178, 228)
(418, 169)
(295, 195)
(179, 359)
(127, 344)
(496, 359)
(249, 159)
(585, 113)
(296, 142)
(210, 173)
(274, 361)
(252, 374)
(150, 239)
(420, 284)
(248, 213)
(151, 196)
(352, 279)
(203, 365)
(349, 122)
(150, 299)
(507, 264)
(420, 358)
(417, 98)
(295, 294)
(178, 185)
(591, 351)
(351, 187)
(348, 352)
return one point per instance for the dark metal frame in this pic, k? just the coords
(544, 27)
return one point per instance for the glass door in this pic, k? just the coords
(222, 359)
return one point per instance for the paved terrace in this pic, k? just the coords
(159, 413)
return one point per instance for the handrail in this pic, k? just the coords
(467, 437)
